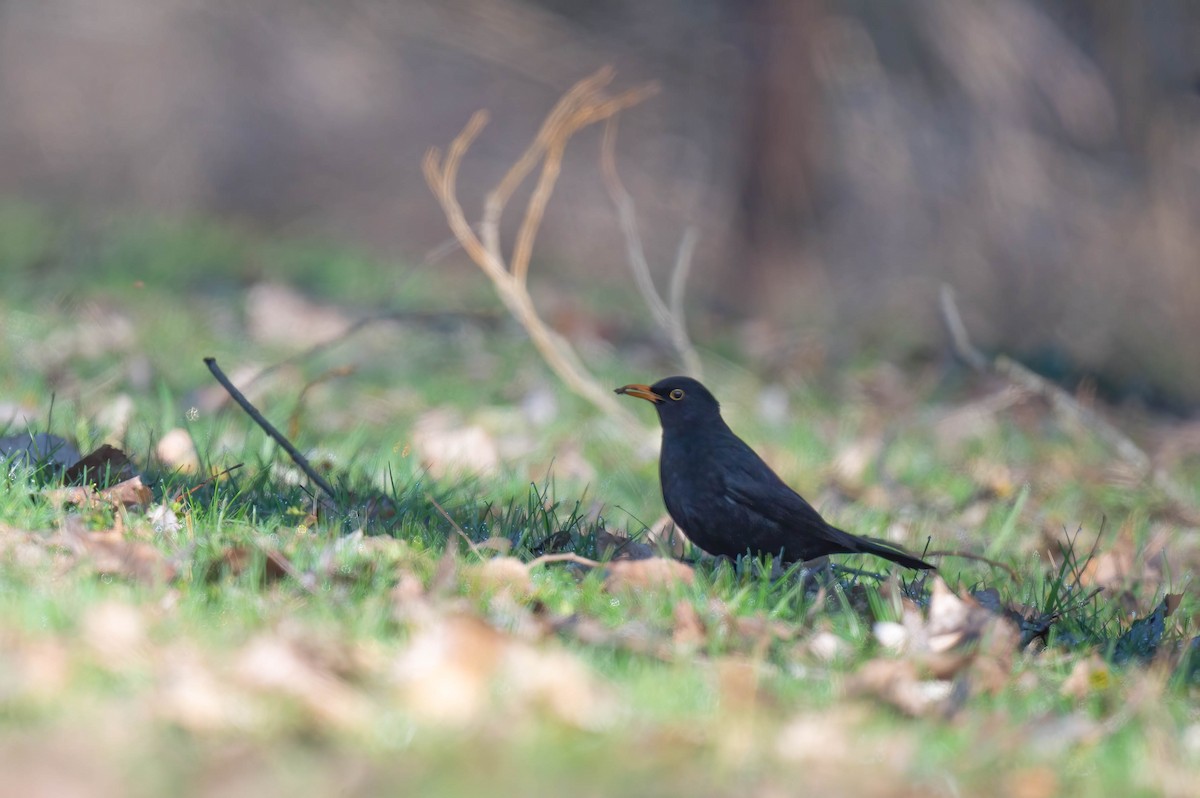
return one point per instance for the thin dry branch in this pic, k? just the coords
(1061, 401)
(667, 314)
(584, 104)
(300, 460)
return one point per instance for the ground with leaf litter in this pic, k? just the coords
(493, 600)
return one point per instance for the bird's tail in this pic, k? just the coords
(889, 552)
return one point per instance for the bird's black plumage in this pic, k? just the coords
(725, 498)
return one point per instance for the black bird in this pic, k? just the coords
(725, 498)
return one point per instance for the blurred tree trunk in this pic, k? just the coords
(778, 178)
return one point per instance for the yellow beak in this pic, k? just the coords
(640, 391)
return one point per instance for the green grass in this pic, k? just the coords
(706, 718)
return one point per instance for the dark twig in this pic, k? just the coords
(181, 494)
(300, 460)
(965, 555)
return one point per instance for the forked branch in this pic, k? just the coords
(668, 314)
(584, 104)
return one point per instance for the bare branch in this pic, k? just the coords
(1063, 403)
(584, 104)
(679, 277)
(959, 339)
(668, 317)
(299, 459)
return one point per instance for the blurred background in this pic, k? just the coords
(839, 158)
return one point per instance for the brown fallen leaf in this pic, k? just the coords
(962, 645)
(689, 632)
(826, 646)
(104, 466)
(955, 626)
(650, 574)
(619, 547)
(130, 494)
(754, 633)
(898, 682)
(1035, 782)
(236, 560)
(109, 554)
(193, 696)
(446, 670)
(500, 575)
(274, 664)
(116, 633)
(739, 684)
(459, 670)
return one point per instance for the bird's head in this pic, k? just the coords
(680, 401)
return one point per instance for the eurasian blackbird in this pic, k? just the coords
(725, 498)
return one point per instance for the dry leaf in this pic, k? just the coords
(1037, 782)
(558, 683)
(116, 632)
(891, 635)
(738, 684)
(652, 574)
(176, 450)
(236, 560)
(276, 665)
(826, 646)
(897, 682)
(689, 632)
(163, 519)
(497, 544)
(108, 553)
(193, 697)
(500, 574)
(457, 670)
(445, 672)
(104, 466)
(618, 547)
(960, 640)
(130, 494)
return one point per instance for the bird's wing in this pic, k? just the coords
(750, 483)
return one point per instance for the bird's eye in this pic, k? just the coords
(677, 394)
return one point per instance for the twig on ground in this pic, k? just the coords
(461, 532)
(181, 494)
(300, 460)
(669, 315)
(966, 555)
(584, 104)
